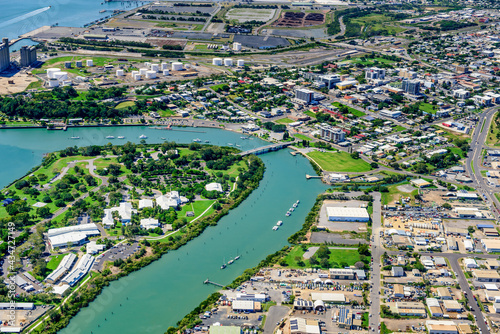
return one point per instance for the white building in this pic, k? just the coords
(108, 220)
(81, 270)
(441, 327)
(347, 214)
(468, 245)
(149, 223)
(125, 211)
(71, 235)
(214, 186)
(390, 113)
(170, 200)
(94, 248)
(63, 267)
(145, 203)
(470, 263)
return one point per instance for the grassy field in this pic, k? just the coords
(301, 137)
(428, 108)
(54, 261)
(494, 131)
(339, 162)
(285, 121)
(198, 207)
(125, 104)
(242, 15)
(353, 111)
(310, 114)
(337, 257)
(394, 194)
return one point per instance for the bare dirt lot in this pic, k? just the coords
(15, 83)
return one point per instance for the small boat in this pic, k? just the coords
(275, 228)
(297, 202)
(121, 137)
(295, 205)
(237, 258)
(197, 140)
(230, 262)
(292, 209)
(238, 145)
(244, 137)
(288, 214)
(143, 137)
(223, 266)
(230, 144)
(110, 137)
(162, 138)
(279, 223)
(207, 141)
(75, 137)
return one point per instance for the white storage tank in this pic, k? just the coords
(176, 66)
(228, 62)
(53, 82)
(134, 73)
(148, 64)
(236, 46)
(142, 71)
(119, 73)
(61, 75)
(166, 72)
(217, 61)
(151, 75)
(155, 67)
(137, 77)
(164, 66)
(51, 72)
(90, 63)
(241, 63)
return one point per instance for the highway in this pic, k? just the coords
(474, 158)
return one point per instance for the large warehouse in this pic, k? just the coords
(347, 214)
(71, 235)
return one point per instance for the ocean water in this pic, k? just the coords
(20, 17)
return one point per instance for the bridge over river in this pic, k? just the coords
(265, 149)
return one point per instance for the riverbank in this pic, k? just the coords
(94, 286)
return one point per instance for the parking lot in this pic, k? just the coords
(121, 251)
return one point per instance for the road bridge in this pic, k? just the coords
(265, 149)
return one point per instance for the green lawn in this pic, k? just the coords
(428, 108)
(125, 104)
(494, 131)
(198, 207)
(339, 162)
(301, 137)
(353, 111)
(285, 121)
(54, 261)
(394, 194)
(337, 257)
(310, 114)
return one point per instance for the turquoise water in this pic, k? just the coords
(19, 17)
(157, 296)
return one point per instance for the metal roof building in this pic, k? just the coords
(347, 214)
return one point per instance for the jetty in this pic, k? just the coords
(265, 149)
(207, 281)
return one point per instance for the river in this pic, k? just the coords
(20, 17)
(157, 296)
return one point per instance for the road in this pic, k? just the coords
(377, 252)
(473, 162)
(275, 314)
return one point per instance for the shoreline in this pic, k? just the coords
(205, 221)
